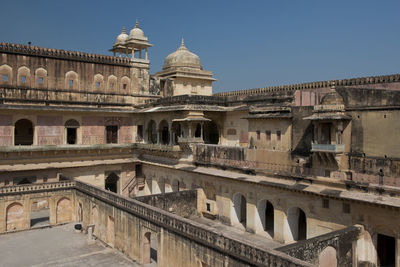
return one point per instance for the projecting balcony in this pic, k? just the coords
(333, 148)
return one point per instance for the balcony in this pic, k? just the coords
(332, 148)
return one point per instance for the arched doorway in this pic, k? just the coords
(40, 213)
(164, 132)
(266, 216)
(211, 133)
(15, 217)
(71, 131)
(149, 248)
(176, 131)
(239, 210)
(23, 133)
(64, 210)
(112, 183)
(152, 132)
(197, 132)
(175, 185)
(297, 222)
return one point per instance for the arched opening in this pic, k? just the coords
(211, 133)
(149, 249)
(175, 185)
(80, 212)
(110, 231)
(23, 133)
(152, 132)
(112, 183)
(71, 131)
(15, 217)
(197, 132)
(266, 215)
(297, 223)
(64, 210)
(239, 209)
(164, 132)
(40, 213)
(386, 250)
(176, 130)
(327, 258)
(95, 220)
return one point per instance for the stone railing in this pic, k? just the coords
(314, 85)
(328, 107)
(197, 232)
(31, 188)
(189, 99)
(58, 96)
(62, 54)
(310, 249)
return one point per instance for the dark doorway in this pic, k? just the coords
(325, 133)
(269, 219)
(72, 129)
(211, 134)
(112, 134)
(71, 136)
(139, 133)
(111, 183)
(152, 132)
(197, 133)
(23, 133)
(302, 226)
(164, 132)
(386, 246)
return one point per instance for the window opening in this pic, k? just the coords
(23, 79)
(5, 78)
(268, 135)
(278, 135)
(40, 80)
(112, 134)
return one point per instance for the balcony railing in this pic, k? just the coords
(334, 148)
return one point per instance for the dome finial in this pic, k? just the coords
(137, 24)
(123, 30)
(182, 43)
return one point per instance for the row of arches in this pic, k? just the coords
(167, 134)
(40, 79)
(17, 219)
(296, 217)
(24, 132)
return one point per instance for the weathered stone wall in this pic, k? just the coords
(182, 203)
(96, 79)
(310, 250)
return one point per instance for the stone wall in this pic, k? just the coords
(311, 249)
(182, 203)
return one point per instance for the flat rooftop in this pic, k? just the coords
(57, 246)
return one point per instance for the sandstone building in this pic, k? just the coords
(311, 172)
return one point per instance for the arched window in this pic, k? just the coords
(41, 77)
(297, 222)
(71, 131)
(24, 76)
(5, 74)
(239, 209)
(98, 82)
(152, 132)
(266, 216)
(71, 80)
(112, 183)
(164, 132)
(23, 133)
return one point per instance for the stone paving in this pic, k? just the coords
(57, 246)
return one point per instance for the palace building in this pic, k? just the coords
(293, 175)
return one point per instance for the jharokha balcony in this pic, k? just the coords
(333, 148)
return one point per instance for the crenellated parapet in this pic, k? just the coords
(62, 54)
(316, 85)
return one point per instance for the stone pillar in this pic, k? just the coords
(189, 130)
(158, 136)
(133, 53)
(251, 214)
(280, 226)
(146, 54)
(171, 137)
(140, 53)
(202, 129)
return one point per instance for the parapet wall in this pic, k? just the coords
(354, 82)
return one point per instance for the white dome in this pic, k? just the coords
(121, 39)
(137, 33)
(182, 58)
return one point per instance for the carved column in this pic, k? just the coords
(146, 54)
(158, 136)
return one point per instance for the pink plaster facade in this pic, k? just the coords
(49, 130)
(6, 130)
(93, 130)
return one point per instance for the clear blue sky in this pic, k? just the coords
(247, 44)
